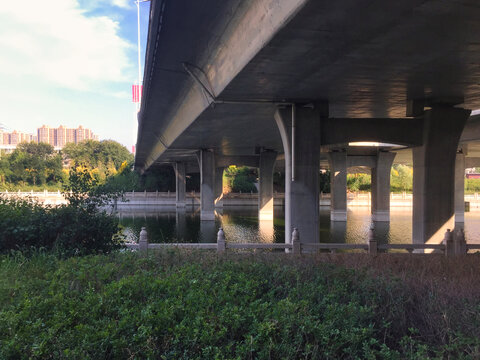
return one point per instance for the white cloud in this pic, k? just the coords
(57, 42)
(125, 4)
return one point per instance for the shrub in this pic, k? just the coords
(358, 182)
(27, 225)
(241, 179)
(472, 185)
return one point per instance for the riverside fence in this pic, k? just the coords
(453, 244)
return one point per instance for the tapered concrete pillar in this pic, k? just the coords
(434, 173)
(207, 185)
(460, 188)
(338, 185)
(265, 191)
(180, 181)
(381, 186)
(219, 187)
(302, 160)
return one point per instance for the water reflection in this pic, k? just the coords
(241, 224)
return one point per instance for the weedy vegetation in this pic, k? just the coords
(196, 305)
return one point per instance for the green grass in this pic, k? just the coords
(196, 305)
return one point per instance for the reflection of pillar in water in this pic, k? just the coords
(266, 230)
(337, 231)
(218, 192)
(381, 231)
(181, 224)
(207, 232)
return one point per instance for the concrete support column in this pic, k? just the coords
(381, 186)
(460, 188)
(338, 185)
(219, 187)
(300, 133)
(434, 173)
(180, 181)
(207, 185)
(265, 192)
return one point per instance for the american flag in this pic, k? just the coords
(137, 93)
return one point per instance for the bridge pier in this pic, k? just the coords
(338, 185)
(302, 166)
(219, 187)
(180, 184)
(434, 174)
(380, 180)
(460, 188)
(265, 191)
(207, 184)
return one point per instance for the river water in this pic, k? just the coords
(240, 224)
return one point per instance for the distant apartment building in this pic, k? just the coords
(57, 137)
(9, 141)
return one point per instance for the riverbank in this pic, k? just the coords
(191, 304)
(167, 199)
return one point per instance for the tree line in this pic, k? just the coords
(33, 165)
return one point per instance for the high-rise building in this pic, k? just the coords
(52, 137)
(70, 137)
(57, 137)
(61, 136)
(15, 138)
(43, 134)
(80, 134)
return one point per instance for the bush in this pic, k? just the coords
(358, 182)
(27, 225)
(472, 185)
(241, 179)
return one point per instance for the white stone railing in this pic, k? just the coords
(452, 245)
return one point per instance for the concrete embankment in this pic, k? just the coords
(134, 199)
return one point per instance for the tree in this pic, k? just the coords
(31, 163)
(241, 179)
(40, 150)
(96, 154)
(401, 178)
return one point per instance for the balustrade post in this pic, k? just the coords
(296, 245)
(448, 242)
(459, 243)
(143, 241)
(372, 242)
(221, 242)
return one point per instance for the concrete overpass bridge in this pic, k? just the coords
(253, 81)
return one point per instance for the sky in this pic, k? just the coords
(70, 62)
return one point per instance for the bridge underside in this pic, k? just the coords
(218, 71)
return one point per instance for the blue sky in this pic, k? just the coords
(70, 62)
